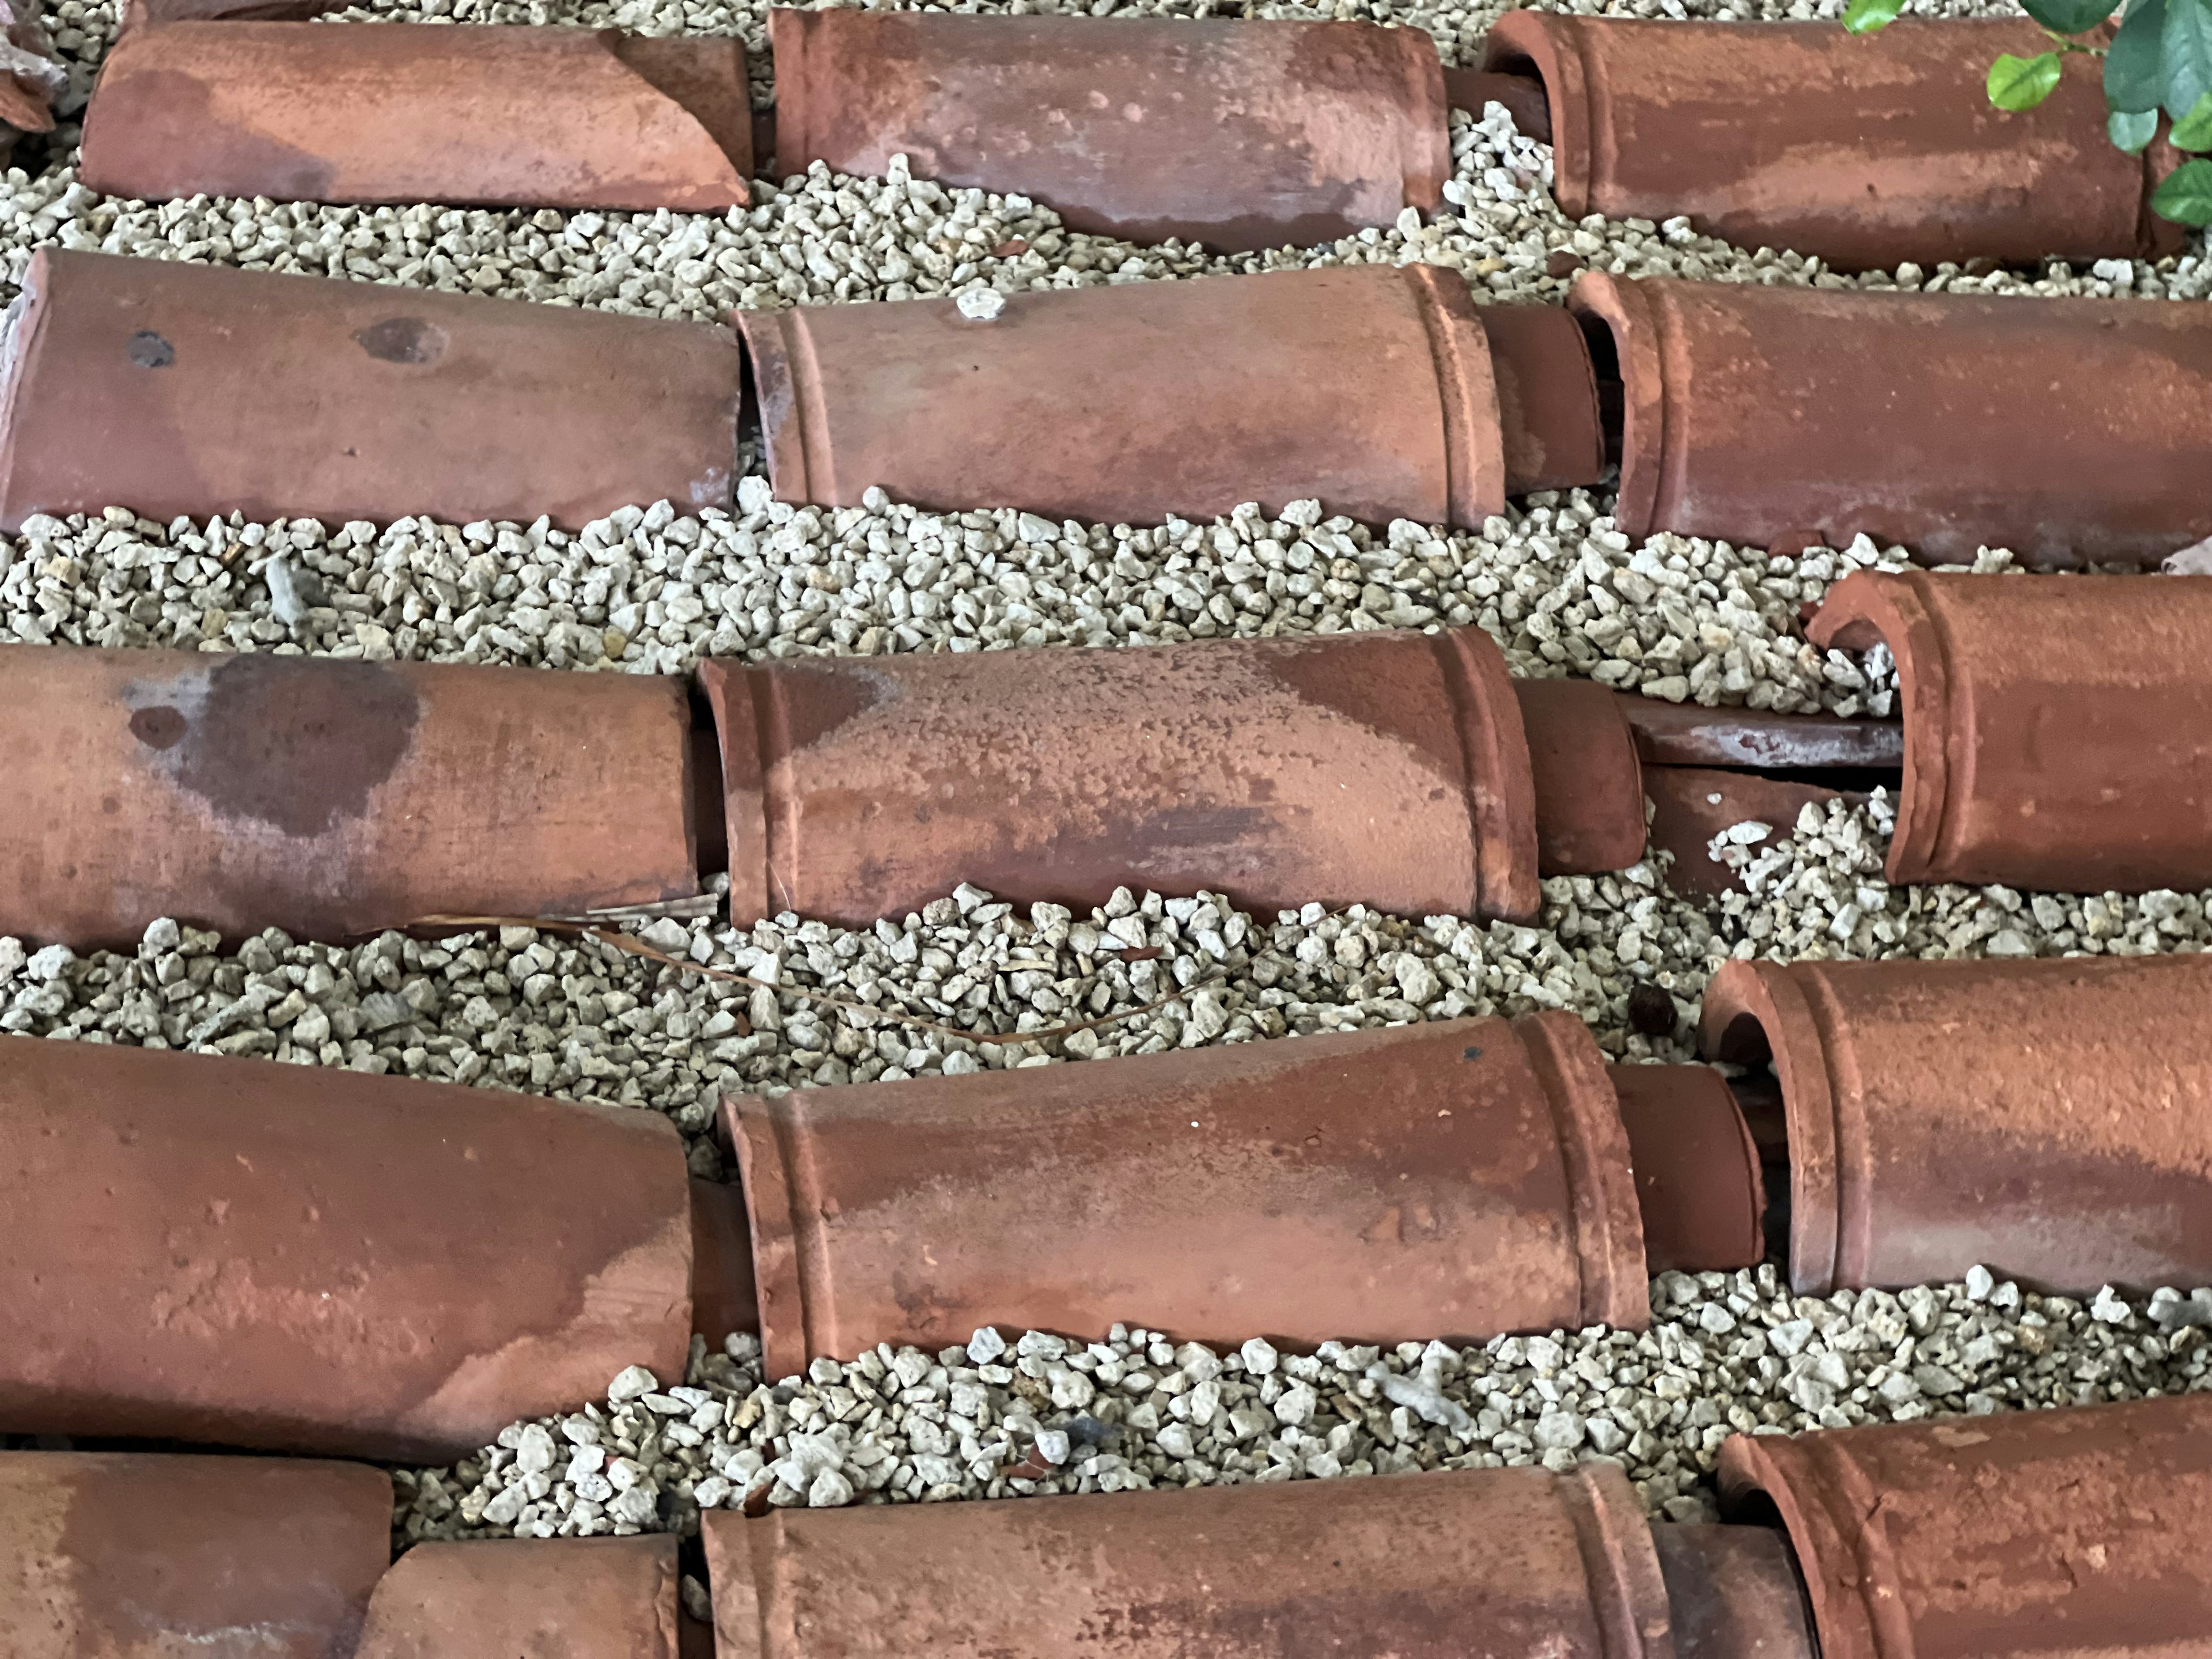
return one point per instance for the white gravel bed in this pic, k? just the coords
(1003, 1418)
(570, 1017)
(1559, 587)
(1818, 891)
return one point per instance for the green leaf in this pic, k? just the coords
(2131, 67)
(2069, 16)
(2129, 130)
(2019, 83)
(2185, 195)
(2184, 51)
(2194, 130)
(1865, 16)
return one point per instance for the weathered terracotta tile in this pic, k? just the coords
(2036, 1534)
(1588, 780)
(1691, 805)
(1387, 769)
(493, 114)
(2049, 1120)
(1698, 1187)
(723, 1299)
(2065, 429)
(1688, 734)
(1369, 387)
(1733, 1591)
(133, 1555)
(245, 1254)
(1464, 1178)
(188, 389)
(244, 791)
(1239, 134)
(1527, 1564)
(1863, 151)
(1548, 408)
(551, 1598)
(2057, 734)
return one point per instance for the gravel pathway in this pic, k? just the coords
(1003, 1418)
(1556, 585)
(568, 1016)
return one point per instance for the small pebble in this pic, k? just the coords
(981, 305)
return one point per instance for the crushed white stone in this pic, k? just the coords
(555, 1015)
(1559, 587)
(1817, 891)
(559, 1016)
(1726, 1354)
